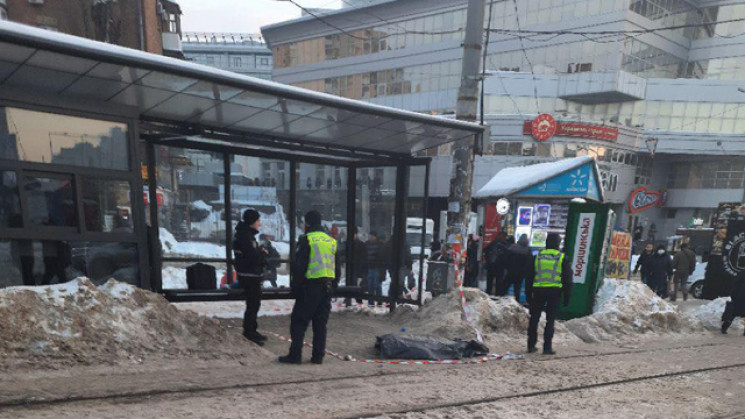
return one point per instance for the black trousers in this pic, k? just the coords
(517, 283)
(548, 301)
(312, 304)
(494, 279)
(252, 286)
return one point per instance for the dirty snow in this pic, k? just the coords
(174, 248)
(709, 316)
(624, 308)
(79, 323)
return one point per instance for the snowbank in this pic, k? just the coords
(624, 308)
(709, 316)
(77, 322)
(500, 320)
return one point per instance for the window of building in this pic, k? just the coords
(237, 62)
(210, 60)
(42, 137)
(3, 14)
(264, 61)
(10, 203)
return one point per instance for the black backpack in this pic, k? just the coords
(201, 277)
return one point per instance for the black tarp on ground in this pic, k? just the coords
(427, 347)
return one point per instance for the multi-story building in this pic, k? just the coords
(655, 107)
(241, 53)
(148, 25)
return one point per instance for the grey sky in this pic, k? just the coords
(245, 16)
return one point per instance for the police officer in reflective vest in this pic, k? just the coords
(552, 278)
(316, 273)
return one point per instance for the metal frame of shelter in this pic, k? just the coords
(172, 103)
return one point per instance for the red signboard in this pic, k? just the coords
(573, 129)
(642, 199)
(543, 127)
(492, 224)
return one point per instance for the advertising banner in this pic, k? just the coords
(492, 224)
(586, 239)
(583, 240)
(544, 128)
(619, 257)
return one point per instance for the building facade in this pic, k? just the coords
(242, 53)
(148, 25)
(673, 100)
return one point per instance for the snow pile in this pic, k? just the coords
(624, 308)
(709, 316)
(77, 322)
(500, 320)
(174, 248)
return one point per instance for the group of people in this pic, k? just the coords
(508, 265)
(374, 263)
(666, 275)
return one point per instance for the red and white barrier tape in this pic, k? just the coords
(480, 360)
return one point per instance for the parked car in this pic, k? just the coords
(696, 280)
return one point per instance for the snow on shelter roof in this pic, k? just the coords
(164, 89)
(515, 179)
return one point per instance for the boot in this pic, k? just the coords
(532, 350)
(725, 326)
(287, 359)
(317, 361)
(548, 351)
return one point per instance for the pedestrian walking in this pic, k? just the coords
(519, 263)
(495, 258)
(684, 263)
(250, 261)
(659, 270)
(643, 260)
(316, 274)
(550, 279)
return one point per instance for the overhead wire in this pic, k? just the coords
(527, 58)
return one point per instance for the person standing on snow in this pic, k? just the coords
(643, 261)
(519, 263)
(736, 307)
(250, 261)
(316, 274)
(684, 263)
(550, 278)
(659, 271)
(495, 254)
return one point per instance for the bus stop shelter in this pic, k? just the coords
(135, 165)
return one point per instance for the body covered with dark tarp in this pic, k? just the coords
(427, 347)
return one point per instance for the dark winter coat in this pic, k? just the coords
(659, 268)
(642, 261)
(249, 258)
(684, 261)
(519, 262)
(360, 259)
(495, 256)
(472, 254)
(738, 295)
(375, 255)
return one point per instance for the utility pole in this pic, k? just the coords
(459, 201)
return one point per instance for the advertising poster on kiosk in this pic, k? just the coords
(619, 257)
(586, 241)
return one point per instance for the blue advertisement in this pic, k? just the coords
(576, 182)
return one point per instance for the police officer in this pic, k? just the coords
(250, 260)
(316, 273)
(551, 277)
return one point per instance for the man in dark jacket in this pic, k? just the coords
(472, 263)
(375, 267)
(684, 263)
(659, 270)
(316, 272)
(249, 263)
(736, 307)
(644, 260)
(495, 254)
(519, 263)
(549, 278)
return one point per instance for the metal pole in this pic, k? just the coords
(420, 296)
(228, 202)
(459, 201)
(399, 224)
(351, 224)
(156, 282)
(293, 209)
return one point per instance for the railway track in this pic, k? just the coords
(404, 370)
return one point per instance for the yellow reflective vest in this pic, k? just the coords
(322, 261)
(548, 269)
